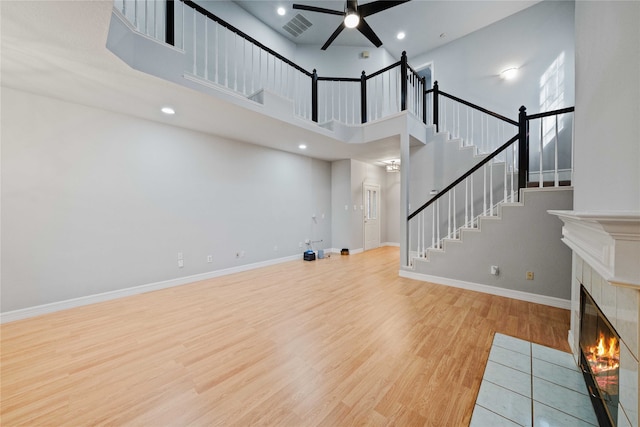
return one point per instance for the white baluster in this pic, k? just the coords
(454, 213)
(513, 169)
(472, 201)
(194, 42)
(423, 249)
(449, 216)
(541, 179)
(557, 178)
(438, 222)
(206, 49)
(484, 190)
(433, 225)
(466, 202)
(504, 197)
(135, 14)
(491, 187)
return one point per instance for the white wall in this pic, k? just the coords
(95, 201)
(531, 39)
(607, 145)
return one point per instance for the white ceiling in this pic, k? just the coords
(57, 49)
(423, 21)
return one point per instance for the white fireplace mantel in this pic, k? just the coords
(608, 241)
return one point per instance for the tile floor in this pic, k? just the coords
(526, 384)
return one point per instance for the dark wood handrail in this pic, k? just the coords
(477, 107)
(465, 176)
(244, 35)
(551, 113)
(338, 79)
(385, 69)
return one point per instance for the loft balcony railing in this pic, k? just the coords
(220, 54)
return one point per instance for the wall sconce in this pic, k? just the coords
(509, 73)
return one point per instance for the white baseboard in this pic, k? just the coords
(391, 244)
(24, 313)
(493, 290)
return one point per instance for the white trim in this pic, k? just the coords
(391, 244)
(493, 290)
(24, 313)
(608, 241)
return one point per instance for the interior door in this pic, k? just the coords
(371, 194)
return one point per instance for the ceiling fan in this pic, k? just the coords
(354, 17)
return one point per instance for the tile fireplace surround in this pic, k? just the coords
(606, 260)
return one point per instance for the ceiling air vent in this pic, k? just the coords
(298, 25)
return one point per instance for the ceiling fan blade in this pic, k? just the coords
(318, 9)
(334, 35)
(366, 30)
(378, 6)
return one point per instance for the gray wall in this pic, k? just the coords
(341, 203)
(94, 201)
(347, 178)
(391, 193)
(531, 39)
(343, 61)
(525, 239)
(607, 146)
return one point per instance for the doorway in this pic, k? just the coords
(371, 194)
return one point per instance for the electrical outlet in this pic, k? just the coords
(180, 263)
(275, 248)
(209, 258)
(495, 270)
(529, 275)
(180, 255)
(300, 244)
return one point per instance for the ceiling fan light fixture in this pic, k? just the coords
(351, 19)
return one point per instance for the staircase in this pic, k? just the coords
(486, 230)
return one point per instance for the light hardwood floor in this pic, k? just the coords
(334, 342)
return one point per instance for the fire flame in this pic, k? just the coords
(604, 357)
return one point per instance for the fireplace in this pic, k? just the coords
(600, 359)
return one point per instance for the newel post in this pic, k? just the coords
(169, 16)
(314, 96)
(523, 150)
(363, 97)
(436, 113)
(403, 81)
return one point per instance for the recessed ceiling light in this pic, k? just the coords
(168, 110)
(282, 11)
(400, 35)
(302, 147)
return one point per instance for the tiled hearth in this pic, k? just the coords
(606, 261)
(526, 384)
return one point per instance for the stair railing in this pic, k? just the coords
(476, 193)
(474, 125)
(495, 180)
